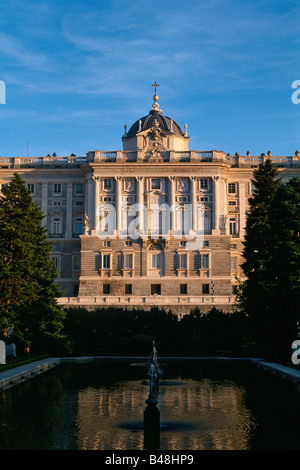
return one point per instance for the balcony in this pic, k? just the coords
(55, 235)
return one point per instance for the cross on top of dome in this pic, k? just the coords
(155, 85)
(155, 97)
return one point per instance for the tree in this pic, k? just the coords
(257, 230)
(284, 263)
(30, 314)
(270, 296)
(254, 293)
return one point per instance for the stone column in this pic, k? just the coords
(172, 201)
(141, 203)
(45, 202)
(216, 214)
(69, 211)
(90, 202)
(225, 206)
(242, 205)
(222, 205)
(193, 180)
(96, 227)
(118, 203)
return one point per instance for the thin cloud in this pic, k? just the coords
(12, 47)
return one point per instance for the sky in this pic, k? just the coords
(76, 71)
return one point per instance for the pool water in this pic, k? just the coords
(204, 405)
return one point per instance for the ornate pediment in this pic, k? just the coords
(154, 245)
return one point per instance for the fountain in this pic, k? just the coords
(201, 404)
(152, 413)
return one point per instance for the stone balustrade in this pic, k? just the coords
(159, 300)
(129, 156)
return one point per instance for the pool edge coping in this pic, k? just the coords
(19, 374)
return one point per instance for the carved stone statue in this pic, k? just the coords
(86, 223)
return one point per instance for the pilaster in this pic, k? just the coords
(69, 227)
(45, 202)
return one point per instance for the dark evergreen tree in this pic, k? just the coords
(29, 313)
(254, 293)
(284, 265)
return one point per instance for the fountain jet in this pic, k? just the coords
(152, 413)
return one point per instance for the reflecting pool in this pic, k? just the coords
(204, 404)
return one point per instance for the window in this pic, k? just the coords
(155, 184)
(183, 199)
(128, 261)
(206, 243)
(106, 243)
(205, 261)
(106, 261)
(155, 289)
(183, 219)
(183, 243)
(234, 246)
(204, 219)
(76, 263)
(106, 220)
(107, 184)
(204, 199)
(128, 198)
(233, 263)
(232, 226)
(205, 289)
(128, 243)
(106, 289)
(78, 203)
(79, 188)
(56, 260)
(56, 188)
(231, 188)
(155, 261)
(78, 225)
(57, 203)
(232, 203)
(30, 188)
(183, 289)
(56, 225)
(128, 289)
(203, 183)
(183, 261)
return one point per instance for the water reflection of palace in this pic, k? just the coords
(194, 415)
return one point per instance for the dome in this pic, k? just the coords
(155, 130)
(154, 118)
(147, 122)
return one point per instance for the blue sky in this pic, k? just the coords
(77, 71)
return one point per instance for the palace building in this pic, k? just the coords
(152, 224)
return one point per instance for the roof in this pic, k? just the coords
(147, 122)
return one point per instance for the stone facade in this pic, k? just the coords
(153, 224)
